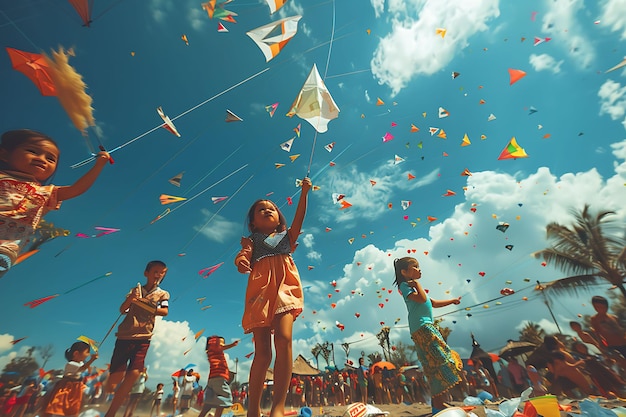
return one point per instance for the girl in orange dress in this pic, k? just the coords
(67, 395)
(274, 296)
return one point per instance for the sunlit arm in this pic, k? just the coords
(85, 182)
(443, 303)
(298, 218)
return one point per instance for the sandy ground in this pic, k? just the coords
(394, 410)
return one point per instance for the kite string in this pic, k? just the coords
(330, 48)
(86, 161)
(216, 213)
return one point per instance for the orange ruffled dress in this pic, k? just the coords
(274, 285)
(67, 395)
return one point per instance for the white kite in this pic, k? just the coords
(273, 37)
(314, 103)
(169, 125)
(275, 4)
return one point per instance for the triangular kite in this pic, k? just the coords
(208, 271)
(297, 129)
(286, 146)
(387, 137)
(449, 193)
(273, 37)
(198, 334)
(337, 197)
(405, 204)
(184, 39)
(92, 343)
(397, 159)
(275, 5)
(344, 205)
(277, 165)
(491, 117)
(410, 176)
(168, 199)
(433, 130)
(232, 117)
(39, 301)
(466, 173)
(539, 40)
(271, 109)
(175, 180)
(168, 125)
(373, 182)
(441, 32)
(216, 200)
(442, 134)
(379, 102)
(414, 128)
(431, 218)
(221, 28)
(515, 75)
(443, 113)
(455, 74)
(466, 140)
(294, 157)
(513, 151)
(330, 146)
(314, 103)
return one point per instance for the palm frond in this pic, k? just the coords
(569, 285)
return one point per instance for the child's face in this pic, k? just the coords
(81, 355)
(412, 271)
(155, 275)
(600, 308)
(36, 158)
(266, 218)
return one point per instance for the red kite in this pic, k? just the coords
(35, 67)
(515, 75)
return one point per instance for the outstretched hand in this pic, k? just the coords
(306, 184)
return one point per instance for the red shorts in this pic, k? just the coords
(129, 355)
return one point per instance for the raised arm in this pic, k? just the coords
(298, 218)
(86, 181)
(443, 303)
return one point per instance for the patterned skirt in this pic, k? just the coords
(441, 365)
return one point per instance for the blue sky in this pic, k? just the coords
(403, 62)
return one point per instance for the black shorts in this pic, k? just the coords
(129, 355)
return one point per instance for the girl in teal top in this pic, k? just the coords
(441, 365)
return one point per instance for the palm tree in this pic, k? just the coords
(532, 332)
(588, 248)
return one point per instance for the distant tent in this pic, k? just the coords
(302, 367)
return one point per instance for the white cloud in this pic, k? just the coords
(545, 62)
(413, 47)
(197, 18)
(448, 258)
(216, 227)
(613, 16)
(613, 100)
(561, 21)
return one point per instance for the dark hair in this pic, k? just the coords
(11, 139)
(160, 384)
(76, 347)
(282, 223)
(598, 299)
(150, 264)
(400, 264)
(551, 342)
(574, 323)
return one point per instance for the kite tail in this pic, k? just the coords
(110, 329)
(330, 48)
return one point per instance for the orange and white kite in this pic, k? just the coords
(168, 125)
(273, 37)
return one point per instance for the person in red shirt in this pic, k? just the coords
(217, 393)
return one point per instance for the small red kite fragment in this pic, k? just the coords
(515, 75)
(466, 173)
(539, 40)
(205, 272)
(410, 176)
(344, 205)
(221, 28)
(232, 117)
(39, 301)
(15, 341)
(507, 291)
(168, 125)
(449, 193)
(431, 218)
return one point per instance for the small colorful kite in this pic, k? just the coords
(387, 137)
(216, 10)
(271, 109)
(513, 151)
(168, 124)
(232, 117)
(35, 67)
(330, 146)
(443, 113)
(286, 146)
(273, 37)
(205, 272)
(515, 75)
(275, 4)
(103, 232)
(218, 199)
(39, 301)
(175, 180)
(169, 199)
(465, 141)
(502, 226)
